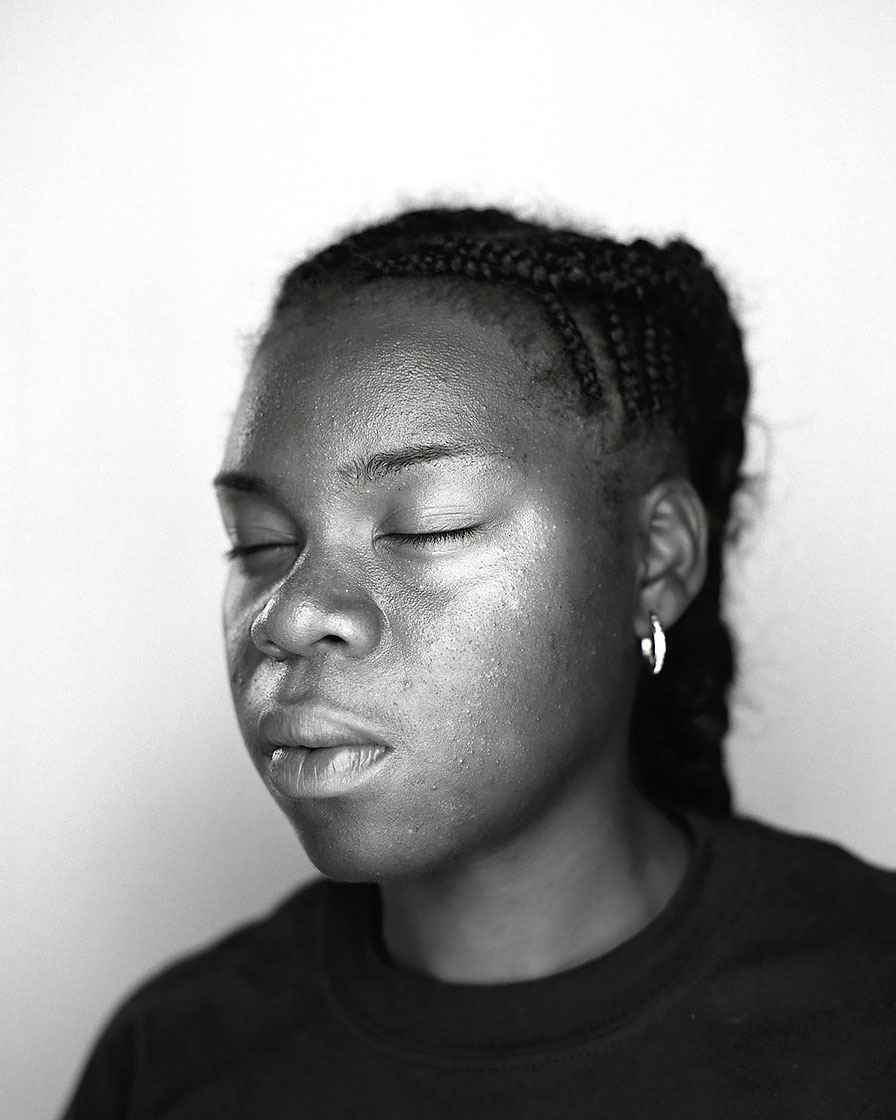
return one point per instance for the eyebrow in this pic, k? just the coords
(384, 464)
(375, 468)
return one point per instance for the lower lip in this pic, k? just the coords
(325, 771)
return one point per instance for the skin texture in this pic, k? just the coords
(498, 668)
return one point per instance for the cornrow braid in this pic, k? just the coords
(674, 355)
(463, 258)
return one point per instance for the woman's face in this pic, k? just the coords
(429, 634)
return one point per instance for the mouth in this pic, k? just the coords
(310, 752)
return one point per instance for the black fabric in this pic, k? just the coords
(767, 988)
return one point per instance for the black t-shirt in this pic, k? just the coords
(766, 988)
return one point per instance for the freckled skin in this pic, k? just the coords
(500, 669)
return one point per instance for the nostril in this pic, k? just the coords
(300, 620)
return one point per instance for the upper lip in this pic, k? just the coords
(315, 728)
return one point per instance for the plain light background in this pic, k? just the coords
(162, 163)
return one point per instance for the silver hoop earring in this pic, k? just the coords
(653, 649)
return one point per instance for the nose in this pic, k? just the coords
(316, 609)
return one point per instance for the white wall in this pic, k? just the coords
(161, 163)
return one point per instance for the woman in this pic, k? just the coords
(479, 469)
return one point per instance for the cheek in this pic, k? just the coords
(500, 714)
(515, 665)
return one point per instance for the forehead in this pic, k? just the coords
(389, 364)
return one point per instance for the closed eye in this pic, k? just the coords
(239, 551)
(428, 540)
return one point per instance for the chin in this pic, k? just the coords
(349, 854)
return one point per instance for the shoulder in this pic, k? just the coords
(811, 864)
(798, 989)
(262, 965)
(807, 893)
(252, 955)
(193, 1018)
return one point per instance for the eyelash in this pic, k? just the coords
(415, 540)
(241, 550)
(421, 540)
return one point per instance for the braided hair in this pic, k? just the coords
(673, 354)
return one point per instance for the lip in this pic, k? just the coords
(314, 752)
(315, 728)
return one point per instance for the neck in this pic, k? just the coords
(542, 903)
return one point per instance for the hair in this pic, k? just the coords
(674, 354)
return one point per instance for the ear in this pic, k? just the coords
(672, 547)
